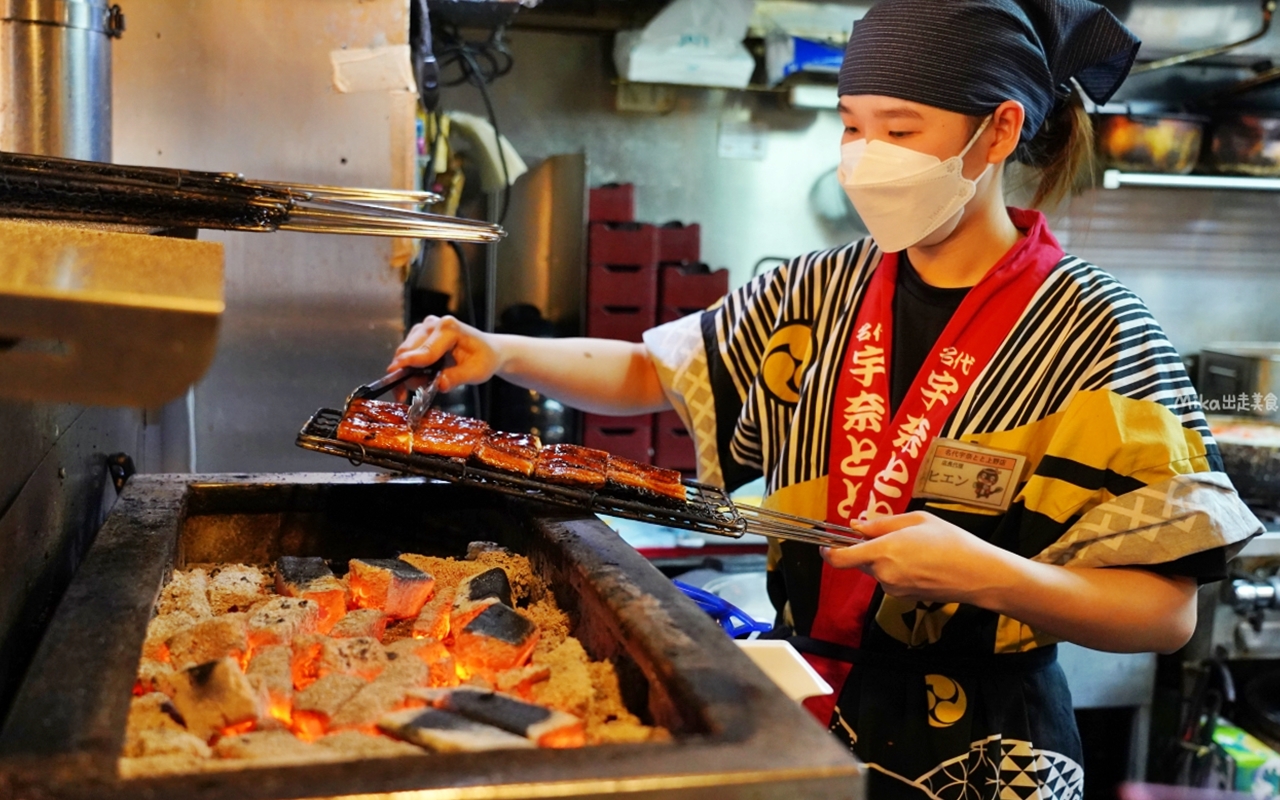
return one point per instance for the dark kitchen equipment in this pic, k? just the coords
(1251, 457)
(1260, 710)
(1247, 144)
(1165, 143)
(707, 509)
(1230, 370)
(735, 734)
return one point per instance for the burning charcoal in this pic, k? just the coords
(644, 479)
(311, 579)
(281, 620)
(317, 656)
(433, 619)
(442, 669)
(407, 663)
(372, 702)
(152, 711)
(440, 433)
(573, 465)
(236, 587)
(161, 629)
(477, 549)
(509, 452)
(356, 744)
(270, 672)
(546, 727)
(210, 640)
(476, 593)
(274, 746)
(187, 592)
(496, 640)
(520, 681)
(398, 588)
(370, 622)
(150, 675)
(491, 583)
(377, 424)
(447, 732)
(213, 697)
(164, 742)
(463, 611)
(315, 706)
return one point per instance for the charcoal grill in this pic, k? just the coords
(734, 733)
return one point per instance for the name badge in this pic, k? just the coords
(965, 473)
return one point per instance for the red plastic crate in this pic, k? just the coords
(613, 202)
(625, 322)
(692, 287)
(672, 445)
(678, 242)
(620, 438)
(633, 243)
(609, 421)
(622, 285)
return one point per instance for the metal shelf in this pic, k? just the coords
(1115, 179)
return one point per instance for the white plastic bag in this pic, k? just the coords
(696, 42)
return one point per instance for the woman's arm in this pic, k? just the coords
(597, 375)
(918, 556)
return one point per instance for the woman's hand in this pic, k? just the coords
(919, 557)
(476, 356)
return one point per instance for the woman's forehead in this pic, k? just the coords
(889, 108)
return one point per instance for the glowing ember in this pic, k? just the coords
(289, 665)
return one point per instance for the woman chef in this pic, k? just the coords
(1008, 423)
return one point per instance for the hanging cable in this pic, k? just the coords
(480, 64)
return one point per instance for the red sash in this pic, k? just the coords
(874, 460)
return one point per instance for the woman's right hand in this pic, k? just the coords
(475, 354)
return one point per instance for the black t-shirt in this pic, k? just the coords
(920, 314)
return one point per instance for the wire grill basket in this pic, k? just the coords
(706, 509)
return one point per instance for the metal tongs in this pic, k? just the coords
(422, 397)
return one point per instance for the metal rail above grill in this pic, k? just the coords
(707, 509)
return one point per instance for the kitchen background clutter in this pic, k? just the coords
(568, 121)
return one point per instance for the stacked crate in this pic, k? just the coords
(638, 276)
(685, 286)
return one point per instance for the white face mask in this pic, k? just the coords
(906, 198)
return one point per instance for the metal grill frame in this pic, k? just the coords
(708, 509)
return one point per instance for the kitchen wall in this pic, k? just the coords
(1205, 261)
(246, 86)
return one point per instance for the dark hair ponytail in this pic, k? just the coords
(1060, 151)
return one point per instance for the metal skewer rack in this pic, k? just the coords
(62, 189)
(707, 509)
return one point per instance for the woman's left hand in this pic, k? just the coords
(919, 557)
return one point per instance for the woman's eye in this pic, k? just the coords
(851, 129)
(900, 134)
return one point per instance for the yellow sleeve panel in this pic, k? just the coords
(1105, 432)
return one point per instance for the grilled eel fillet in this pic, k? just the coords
(624, 474)
(374, 423)
(572, 465)
(440, 433)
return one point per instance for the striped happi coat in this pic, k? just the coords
(1121, 471)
